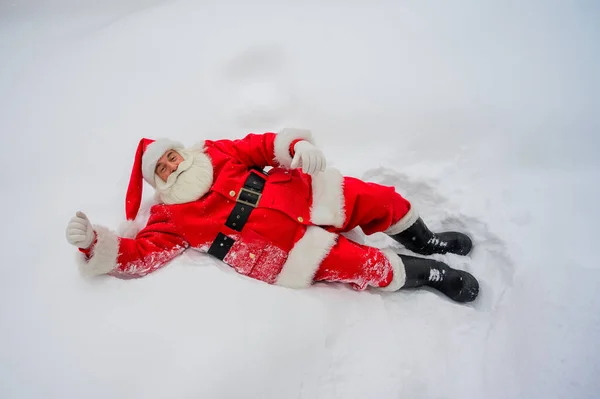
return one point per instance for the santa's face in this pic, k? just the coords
(168, 164)
(189, 175)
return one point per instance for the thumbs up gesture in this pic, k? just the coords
(80, 231)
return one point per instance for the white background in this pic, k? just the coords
(484, 114)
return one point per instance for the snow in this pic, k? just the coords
(434, 275)
(483, 114)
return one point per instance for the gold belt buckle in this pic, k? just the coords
(259, 195)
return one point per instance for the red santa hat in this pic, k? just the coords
(146, 157)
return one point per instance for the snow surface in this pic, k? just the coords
(484, 114)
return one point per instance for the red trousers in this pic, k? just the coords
(374, 208)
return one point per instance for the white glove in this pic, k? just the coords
(79, 231)
(309, 157)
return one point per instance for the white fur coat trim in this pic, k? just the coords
(103, 256)
(328, 199)
(199, 146)
(284, 139)
(407, 220)
(399, 272)
(306, 257)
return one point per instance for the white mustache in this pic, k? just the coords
(189, 186)
(187, 162)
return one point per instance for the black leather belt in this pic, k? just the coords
(246, 201)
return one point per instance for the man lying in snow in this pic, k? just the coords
(282, 227)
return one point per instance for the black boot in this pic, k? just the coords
(418, 238)
(458, 285)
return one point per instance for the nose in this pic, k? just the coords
(173, 166)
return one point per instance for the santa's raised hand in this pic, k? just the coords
(309, 158)
(80, 231)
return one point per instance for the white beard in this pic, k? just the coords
(192, 179)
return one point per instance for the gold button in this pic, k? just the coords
(300, 219)
(252, 256)
(232, 193)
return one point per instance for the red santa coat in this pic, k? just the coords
(284, 240)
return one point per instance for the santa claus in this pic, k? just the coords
(282, 227)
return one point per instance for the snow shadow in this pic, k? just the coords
(489, 262)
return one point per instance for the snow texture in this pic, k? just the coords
(483, 114)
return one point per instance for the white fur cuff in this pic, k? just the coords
(104, 254)
(399, 272)
(408, 220)
(306, 257)
(284, 139)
